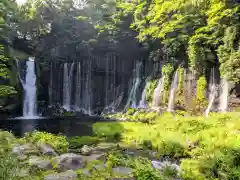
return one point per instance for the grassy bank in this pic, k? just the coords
(206, 148)
(209, 148)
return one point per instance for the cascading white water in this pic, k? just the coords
(143, 101)
(78, 88)
(132, 98)
(87, 93)
(223, 105)
(50, 87)
(213, 92)
(67, 86)
(29, 86)
(174, 86)
(157, 94)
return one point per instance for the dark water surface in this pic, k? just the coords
(68, 126)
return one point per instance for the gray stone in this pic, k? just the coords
(122, 171)
(40, 163)
(68, 175)
(70, 161)
(24, 149)
(46, 149)
(162, 165)
(106, 146)
(22, 157)
(97, 156)
(86, 150)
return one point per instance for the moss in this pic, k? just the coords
(78, 142)
(167, 72)
(201, 98)
(151, 86)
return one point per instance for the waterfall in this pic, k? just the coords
(50, 87)
(174, 86)
(87, 92)
(213, 92)
(157, 94)
(78, 88)
(223, 105)
(29, 86)
(67, 86)
(143, 101)
(132, 98)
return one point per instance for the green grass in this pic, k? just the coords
(209, 148)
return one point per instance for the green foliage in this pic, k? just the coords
(188, 30)
(229, 55)
(130, 111)
(180, 89)
(5, 90)
(151, 86)
(136, 116)
(78, 142)
(6, 141)
(144, 170)
(58, 142)
(10, 168)
(201, 90)
(209, 145)
(167, 72)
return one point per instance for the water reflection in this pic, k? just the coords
(28, 126)
(73, 126)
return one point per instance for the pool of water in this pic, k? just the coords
(68, 126)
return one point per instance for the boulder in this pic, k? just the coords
(97, 155)
(46, 149)
(40, 163)
(162, 165)
(122, 171)
(67, 175)
(70, 161)
(86, 150)
(106, 146)
(25, 149)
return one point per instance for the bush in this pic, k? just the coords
(79, 142)
(6, 140)
(143, 170)
(58, 142)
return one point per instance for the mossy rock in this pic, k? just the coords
(79, 142)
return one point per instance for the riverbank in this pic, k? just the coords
(170, 147)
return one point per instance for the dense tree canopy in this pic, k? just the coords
(196, 34)
(7, 31)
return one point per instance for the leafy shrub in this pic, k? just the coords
(6, 140)
(78, 142)
(143, 170)
(58, 142)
